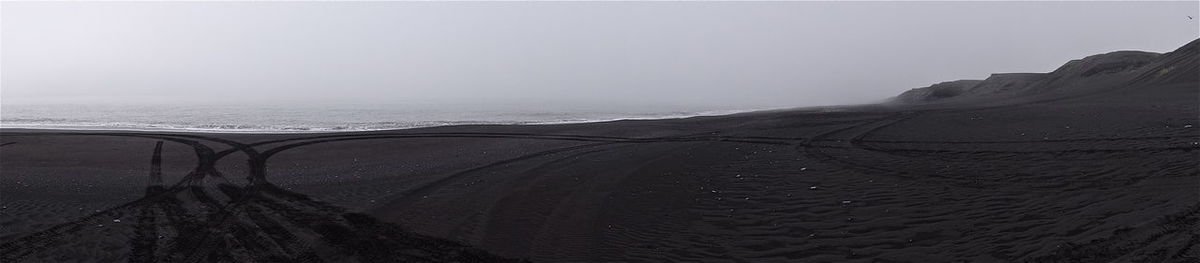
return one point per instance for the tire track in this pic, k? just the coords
(856, 142)
(40, 241)
(249, 210)
(809, 149)
(405, 198)
(144, 243)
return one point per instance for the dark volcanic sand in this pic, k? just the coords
(1105, 175)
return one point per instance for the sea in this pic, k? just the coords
(315, 117)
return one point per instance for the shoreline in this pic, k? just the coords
(718, 113)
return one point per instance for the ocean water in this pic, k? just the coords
(311, 118)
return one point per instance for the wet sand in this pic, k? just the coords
(1100, 175)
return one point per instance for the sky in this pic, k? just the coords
(613, 54)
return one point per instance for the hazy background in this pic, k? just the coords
(710, 55)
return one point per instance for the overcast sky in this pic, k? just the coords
(712, 54)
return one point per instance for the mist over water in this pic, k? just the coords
(731, 54)
(312, 117)
(331, 66)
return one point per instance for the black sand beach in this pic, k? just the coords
(1096, 162)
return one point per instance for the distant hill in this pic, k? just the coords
(1092, 73)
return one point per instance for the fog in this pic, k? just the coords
(701, 54)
